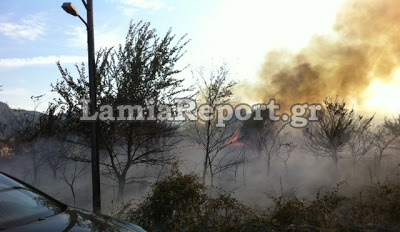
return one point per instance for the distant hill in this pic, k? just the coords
(5, 115)
(11, 117)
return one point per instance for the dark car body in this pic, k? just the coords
(25, 208)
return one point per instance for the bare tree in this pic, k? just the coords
(214, 141)
(27, 129)
(7, 121)
(393, 125)
(284, 155)
(271, 138)
(329, 136)
(34, 153)
(215, 91)
(385, 137)
(53, 153)
(152, 145)
(71, 172)
(27, 133)
(361, 141)
(264, 137)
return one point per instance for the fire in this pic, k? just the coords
(235, 140)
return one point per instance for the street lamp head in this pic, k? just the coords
(70, 8)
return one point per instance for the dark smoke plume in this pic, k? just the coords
(365, 46)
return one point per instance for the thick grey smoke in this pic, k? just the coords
(363, 48)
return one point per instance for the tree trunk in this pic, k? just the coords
(35, 175)
(35, 172)
(354, 165)
(54, 173)
(205, 168)
(207, 157)
(286, 170)
(121, 188)
(378, 164)
(335, 159)
(71, 186)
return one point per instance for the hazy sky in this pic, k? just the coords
(35, 34)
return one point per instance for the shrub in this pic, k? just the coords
(180, 203)
(320, 212)
(380, 205)
(173, 203)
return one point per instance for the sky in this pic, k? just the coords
(36, 34)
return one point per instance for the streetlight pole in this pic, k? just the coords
(71, 9)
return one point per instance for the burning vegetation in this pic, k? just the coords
(253, 175)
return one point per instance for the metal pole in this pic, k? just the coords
(93, 108)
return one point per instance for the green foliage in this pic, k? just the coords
(381, 205)
(174, 202)
(140, 72)
(320, 212)
(179, 202)
(379, 208)
(224, 213)
(141, 69)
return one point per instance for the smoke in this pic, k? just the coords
(364, 47)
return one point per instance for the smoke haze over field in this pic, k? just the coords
(364, 48)
(254, 160)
